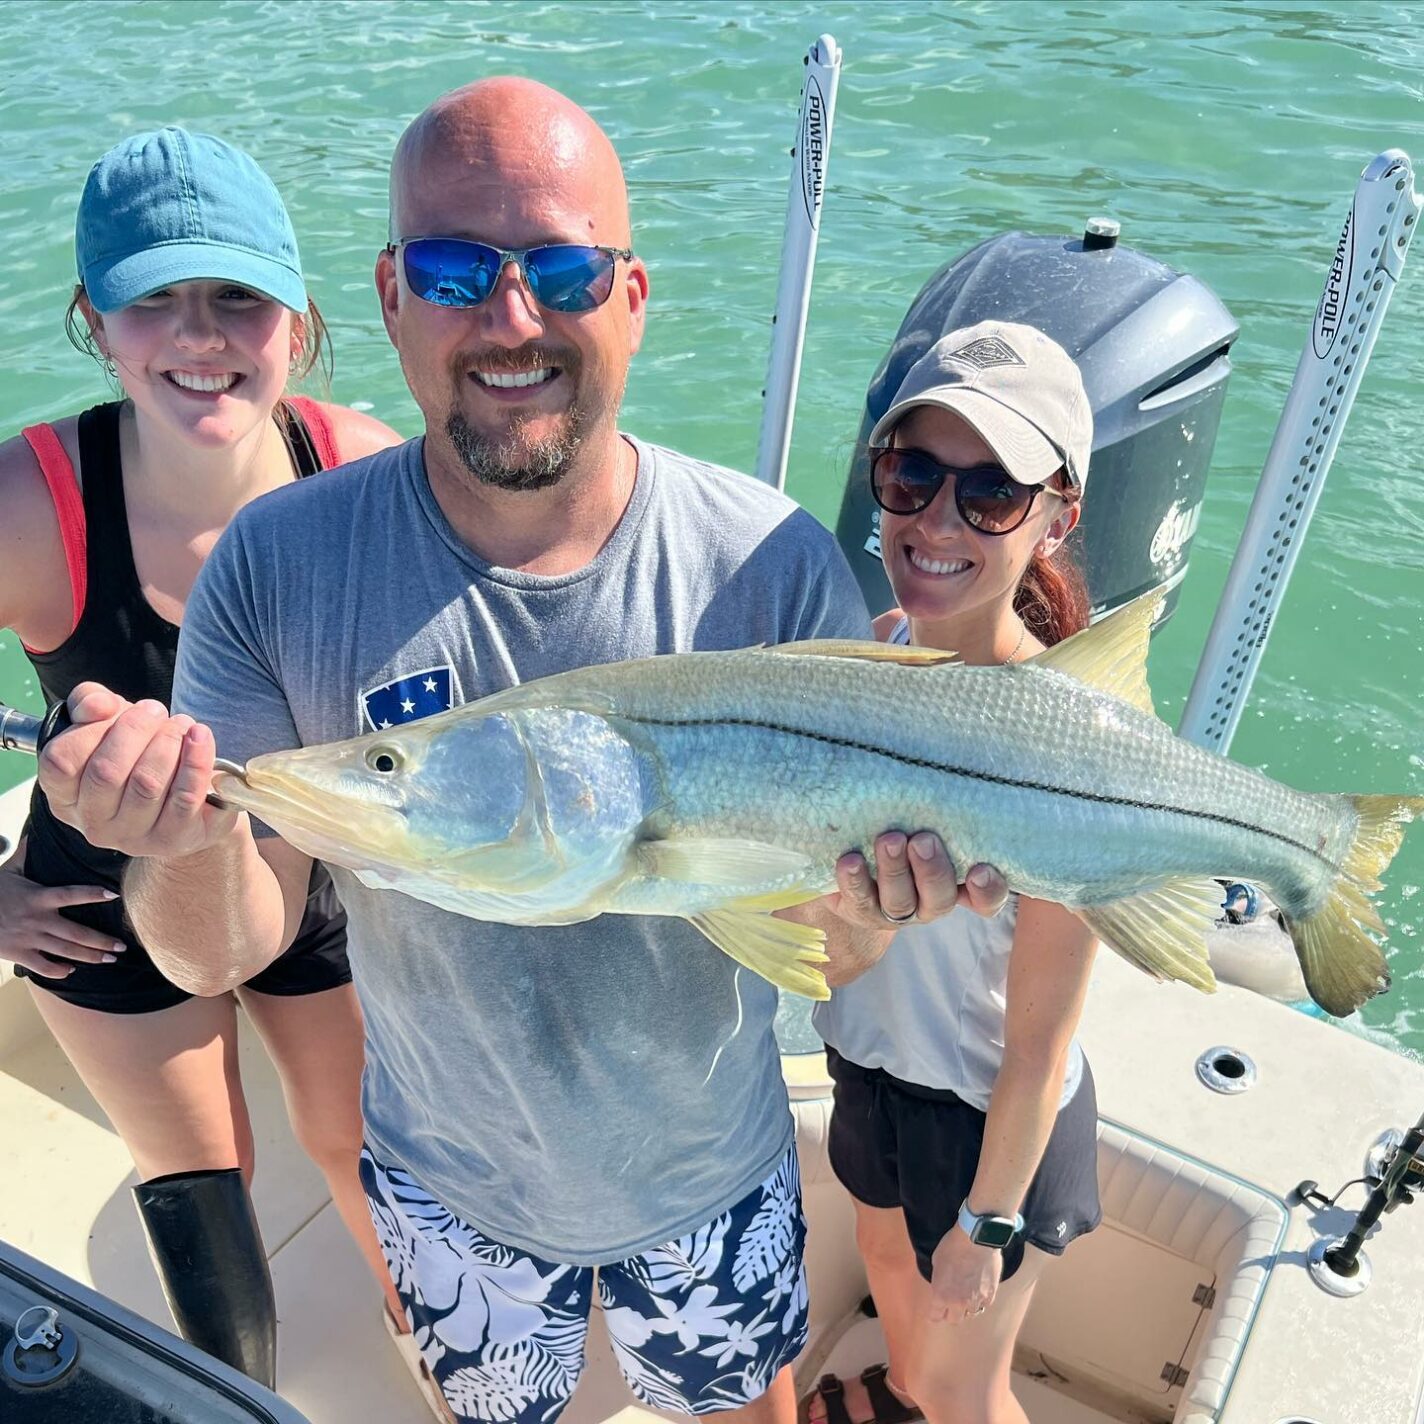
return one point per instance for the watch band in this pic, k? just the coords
(987, 1228)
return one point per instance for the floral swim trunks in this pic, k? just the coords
(699, 1325)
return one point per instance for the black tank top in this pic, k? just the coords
(121, 642)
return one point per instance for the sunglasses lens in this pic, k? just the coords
(904, 481)
(568, 278)
(990, 501)
(448, 272)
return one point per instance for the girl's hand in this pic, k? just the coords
(916, 883)
(33, 932)
(964, 1278)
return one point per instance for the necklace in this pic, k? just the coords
(1023, 633)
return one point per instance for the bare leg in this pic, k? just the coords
(168, 1080)
(316, 1042)
(900, 1293)
(961, 1371)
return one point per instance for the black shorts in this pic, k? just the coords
(895, 1144)
(133, 984)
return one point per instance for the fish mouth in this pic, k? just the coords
(322, 826)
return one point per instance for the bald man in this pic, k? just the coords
(539, 1101)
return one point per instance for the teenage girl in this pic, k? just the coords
(191, 296)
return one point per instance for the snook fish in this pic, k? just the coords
(721, 786)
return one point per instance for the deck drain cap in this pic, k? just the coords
(1226, 1070)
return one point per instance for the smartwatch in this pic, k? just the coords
(995, 1232)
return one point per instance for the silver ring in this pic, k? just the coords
(898, 919)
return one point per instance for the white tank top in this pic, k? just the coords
(931, 1011)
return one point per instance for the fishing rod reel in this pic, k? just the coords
(1394, 1173)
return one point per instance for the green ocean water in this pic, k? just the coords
(1227, 138)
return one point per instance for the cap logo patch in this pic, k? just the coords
(985, 352)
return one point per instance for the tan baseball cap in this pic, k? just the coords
(1017, 387)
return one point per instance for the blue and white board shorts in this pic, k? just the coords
(699, 1325)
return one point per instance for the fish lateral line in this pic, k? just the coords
(988, 777)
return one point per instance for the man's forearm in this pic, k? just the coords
(210, 920)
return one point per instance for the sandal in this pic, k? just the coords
(888, 1406)
(410, 1352)
(832, 1394)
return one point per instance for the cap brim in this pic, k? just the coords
(1021, 447)
(114, 284)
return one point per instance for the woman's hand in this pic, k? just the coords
(916, 883)
(964, 1278)
(33, 932)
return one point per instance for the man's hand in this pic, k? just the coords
(916, 883)
(131, 778)
(964, 1278)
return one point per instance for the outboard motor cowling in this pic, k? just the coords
(1153, 346)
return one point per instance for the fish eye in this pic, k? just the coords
(384, 759)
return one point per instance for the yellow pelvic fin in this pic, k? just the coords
(1112, 654)
(864, 650)
(721, 862)
(1162, 931)
(781, 951)
(1342, 965)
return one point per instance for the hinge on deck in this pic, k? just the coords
(1204, 1296)
(1173, 1375)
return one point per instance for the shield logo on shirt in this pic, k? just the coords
(405, 699)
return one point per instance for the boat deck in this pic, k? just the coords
(1189, 1177)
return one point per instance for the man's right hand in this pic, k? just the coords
(130, 778)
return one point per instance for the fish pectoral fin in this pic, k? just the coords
(1112, 654)
(781, 951)
(1162, 931)
(866, 650)
(720, 862)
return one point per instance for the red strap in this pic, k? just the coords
(323, 432)
(68, 505)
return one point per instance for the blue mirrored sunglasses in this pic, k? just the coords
(454, 272)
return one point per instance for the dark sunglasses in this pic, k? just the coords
(454, 272)
(988, 499)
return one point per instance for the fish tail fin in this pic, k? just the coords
(782, 951)
(1341, 963)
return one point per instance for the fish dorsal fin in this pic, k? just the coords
(870, 652)
(1112, 654)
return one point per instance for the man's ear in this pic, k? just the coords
(388, 291)
(637, 285)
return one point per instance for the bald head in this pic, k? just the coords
(519, 153)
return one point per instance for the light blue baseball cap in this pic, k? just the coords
(173, 206)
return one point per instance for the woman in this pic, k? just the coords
(191, 295)
(965, 1120)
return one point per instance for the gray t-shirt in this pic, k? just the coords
(582, 1092)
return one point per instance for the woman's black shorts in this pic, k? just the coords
(133, 984)
(895, 1144)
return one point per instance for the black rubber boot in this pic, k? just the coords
(205, 1244)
